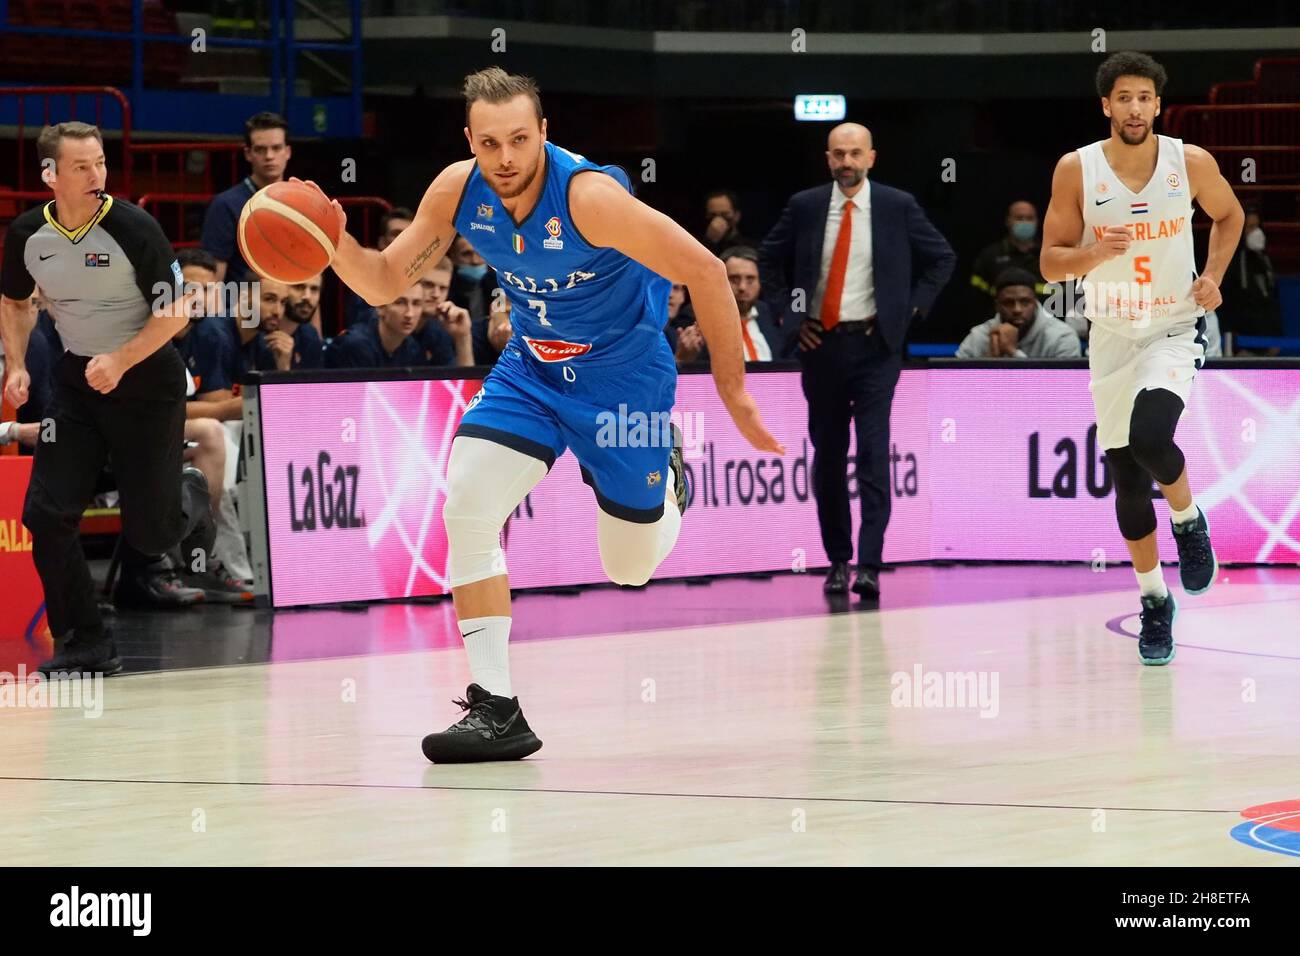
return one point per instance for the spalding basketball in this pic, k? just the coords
(288, 232)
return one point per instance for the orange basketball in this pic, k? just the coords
(288, 232)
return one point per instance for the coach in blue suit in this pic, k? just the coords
(852, 263)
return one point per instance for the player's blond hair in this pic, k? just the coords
(495, 85)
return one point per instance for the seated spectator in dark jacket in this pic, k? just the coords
(1022, 328)
(492, 334)
(722, 228)
(391, 225)
(289, 340)
(680, 314)
(1250, 301)
(445, 331)
(205, 344)
(384, 343)
(42, 354)
(761, 339)
(473, 284)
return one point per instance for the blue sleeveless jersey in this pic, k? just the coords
(571, 302)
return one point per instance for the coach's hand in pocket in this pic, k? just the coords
(810, 334)
(103, 372)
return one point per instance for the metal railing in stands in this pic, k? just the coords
(17, 113)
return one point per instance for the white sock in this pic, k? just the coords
(1152, 583)
(1186, 515)
(487, 641)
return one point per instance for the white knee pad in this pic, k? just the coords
(485, 483)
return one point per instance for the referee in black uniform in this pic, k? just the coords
(114, 291)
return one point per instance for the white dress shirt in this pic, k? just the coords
(762, 350)
(858, 300)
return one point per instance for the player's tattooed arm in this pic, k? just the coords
(416, 266)
(380, 277)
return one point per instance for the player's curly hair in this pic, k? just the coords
(1129, 63)
(495, 85)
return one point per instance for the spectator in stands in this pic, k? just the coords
(304, 302)
(761, 337)
(289, 340)
(1022, 328)
(473, 284)
(722, 229)
(391, 225)
(445, 330)
(492, 334)
(1019, 248)
(43, 350)
(1250, 300)
(204, 345)
(385, 343)
(267, 149)
(680, 315)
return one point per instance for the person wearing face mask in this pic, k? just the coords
(473, 283)
(1250, 301)
(1017, 249)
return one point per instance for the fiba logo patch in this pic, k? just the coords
(1103, 188)
(653, 479)
(484, 211)
(1271, 826)
(553, 227)
(1173, 180)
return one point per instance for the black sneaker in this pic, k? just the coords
(492, 729)
(1197, 563)
(1156, 642)
(678, 468)
(95, 655)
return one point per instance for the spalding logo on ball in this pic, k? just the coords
(288, 232)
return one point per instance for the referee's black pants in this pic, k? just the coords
(140, 428)
(850, 377)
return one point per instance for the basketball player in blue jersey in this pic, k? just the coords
(1121, 217)
(587, 269)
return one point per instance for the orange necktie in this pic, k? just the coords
(751, 353)
(839, 265)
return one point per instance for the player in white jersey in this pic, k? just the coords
(1120, 218)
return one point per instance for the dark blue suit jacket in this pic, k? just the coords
(781, 341)
(911, 260)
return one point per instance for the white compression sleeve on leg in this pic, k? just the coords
(485, 483)
(630, 552)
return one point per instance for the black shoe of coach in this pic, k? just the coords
(80, 655)
(837, 578)
(867, 583)
(154, 585)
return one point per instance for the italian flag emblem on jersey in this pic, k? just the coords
(519, 242)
